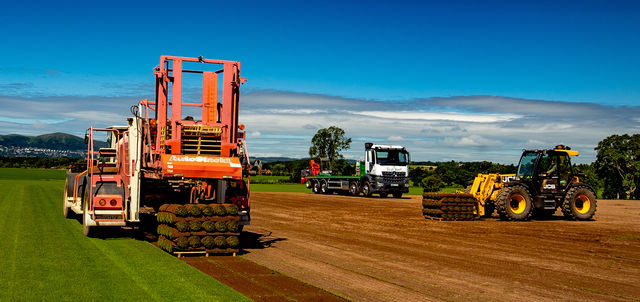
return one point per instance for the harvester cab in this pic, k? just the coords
(545, 181)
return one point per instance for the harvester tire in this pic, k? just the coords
(87, 230)
(384, 195)
(580, 203)
(366, 188)
(324, 189)
(514, 203)
(354, 189)
(65, 208)
(397, 195)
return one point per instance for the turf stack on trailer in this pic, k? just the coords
(448, 206)
(209, 228)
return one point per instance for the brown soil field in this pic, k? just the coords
(382, 249)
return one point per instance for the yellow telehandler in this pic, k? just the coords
(545, 181)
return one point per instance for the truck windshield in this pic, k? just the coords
(392, 157)
(527, 162)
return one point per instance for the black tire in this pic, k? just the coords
(354, 189)
(488, 209)
(87, 230)
(514, 203)
(366, 189)
(65, 210)
(384, 195)
(308, 183)
(397, 194)
(316, 186)
(580, 203)
(323, 187)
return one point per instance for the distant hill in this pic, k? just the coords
(46, 145)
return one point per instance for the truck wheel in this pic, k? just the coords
(353, 188)
(580, 203)
(86, 228)
(316, 186)
(514, 203)
(397, 195)
(308, 183)
(384, 195)
(323, 187)
(366, 188)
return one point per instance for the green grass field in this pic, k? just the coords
(46, 257)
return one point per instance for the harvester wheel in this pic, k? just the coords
(580, 203)
(86, 228)
(323, 187)
(366, 188)
(316, 187)
(397, 194)
(514, 203)
(65, 208)
(384, 195)
(353, 188)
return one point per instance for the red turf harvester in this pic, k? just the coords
(162, 162)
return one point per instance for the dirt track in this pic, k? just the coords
(374, 249)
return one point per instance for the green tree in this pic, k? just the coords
(618, 166)
(432, 183)
(328, 142)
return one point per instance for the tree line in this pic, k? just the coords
(36, 162)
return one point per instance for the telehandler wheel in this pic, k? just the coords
(366, 189)
(323, 187)
(397, 194)
(580, 203)
(514, 203)
(354, 190)
(316, 187)
(488, 209)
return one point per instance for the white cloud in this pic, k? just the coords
(282, 123)
(443, 116)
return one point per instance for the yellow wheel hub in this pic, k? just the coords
(582, 204)
(517, 204)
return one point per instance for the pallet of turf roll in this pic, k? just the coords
(198, 229)
(448, 206)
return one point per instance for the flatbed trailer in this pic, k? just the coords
(384, 171)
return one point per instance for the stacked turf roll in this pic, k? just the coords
(448, 206)
(213, 228)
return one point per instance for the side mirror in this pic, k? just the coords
(86, 138)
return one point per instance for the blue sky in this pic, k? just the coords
(339, 62)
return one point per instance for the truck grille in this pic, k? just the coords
(393, 177)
